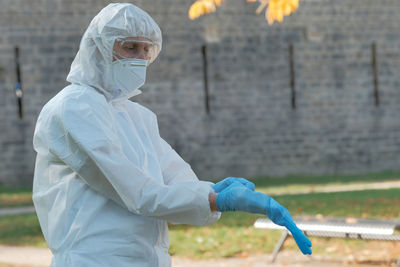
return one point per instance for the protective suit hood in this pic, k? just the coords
(92, 64)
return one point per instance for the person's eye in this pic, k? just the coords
(131, 47)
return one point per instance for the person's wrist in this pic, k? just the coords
(212, 198)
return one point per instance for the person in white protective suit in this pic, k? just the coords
(105, 182)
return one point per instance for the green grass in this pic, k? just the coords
(233, 234)
(15, 190)
(14, 197)
(22, 230)
(368, 203)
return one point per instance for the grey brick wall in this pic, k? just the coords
(251, 129)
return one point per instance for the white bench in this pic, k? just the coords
(372, 229)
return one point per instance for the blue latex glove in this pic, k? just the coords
(218, 187)
(238, 198)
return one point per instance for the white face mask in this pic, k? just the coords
(129, 75)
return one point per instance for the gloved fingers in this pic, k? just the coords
(218, 187)
(234, 184)
(246, 183)
(277, 213)
(302, 241)
(281, 216)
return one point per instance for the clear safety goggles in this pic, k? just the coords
(134, 47)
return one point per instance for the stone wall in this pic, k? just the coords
(254, 124)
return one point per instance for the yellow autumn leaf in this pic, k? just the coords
(218, 2)
(279, 8)
(194, 11)
(290, 6)
(275, 11)
(202, 7)
(208, 6)
(287, 9)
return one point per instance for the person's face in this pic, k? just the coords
(133, 47)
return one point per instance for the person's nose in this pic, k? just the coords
(142, 55)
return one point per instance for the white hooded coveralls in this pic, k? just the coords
(105, 182)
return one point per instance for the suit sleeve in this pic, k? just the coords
(84, 139)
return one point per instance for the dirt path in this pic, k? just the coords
(40, 257)
(345, 188)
